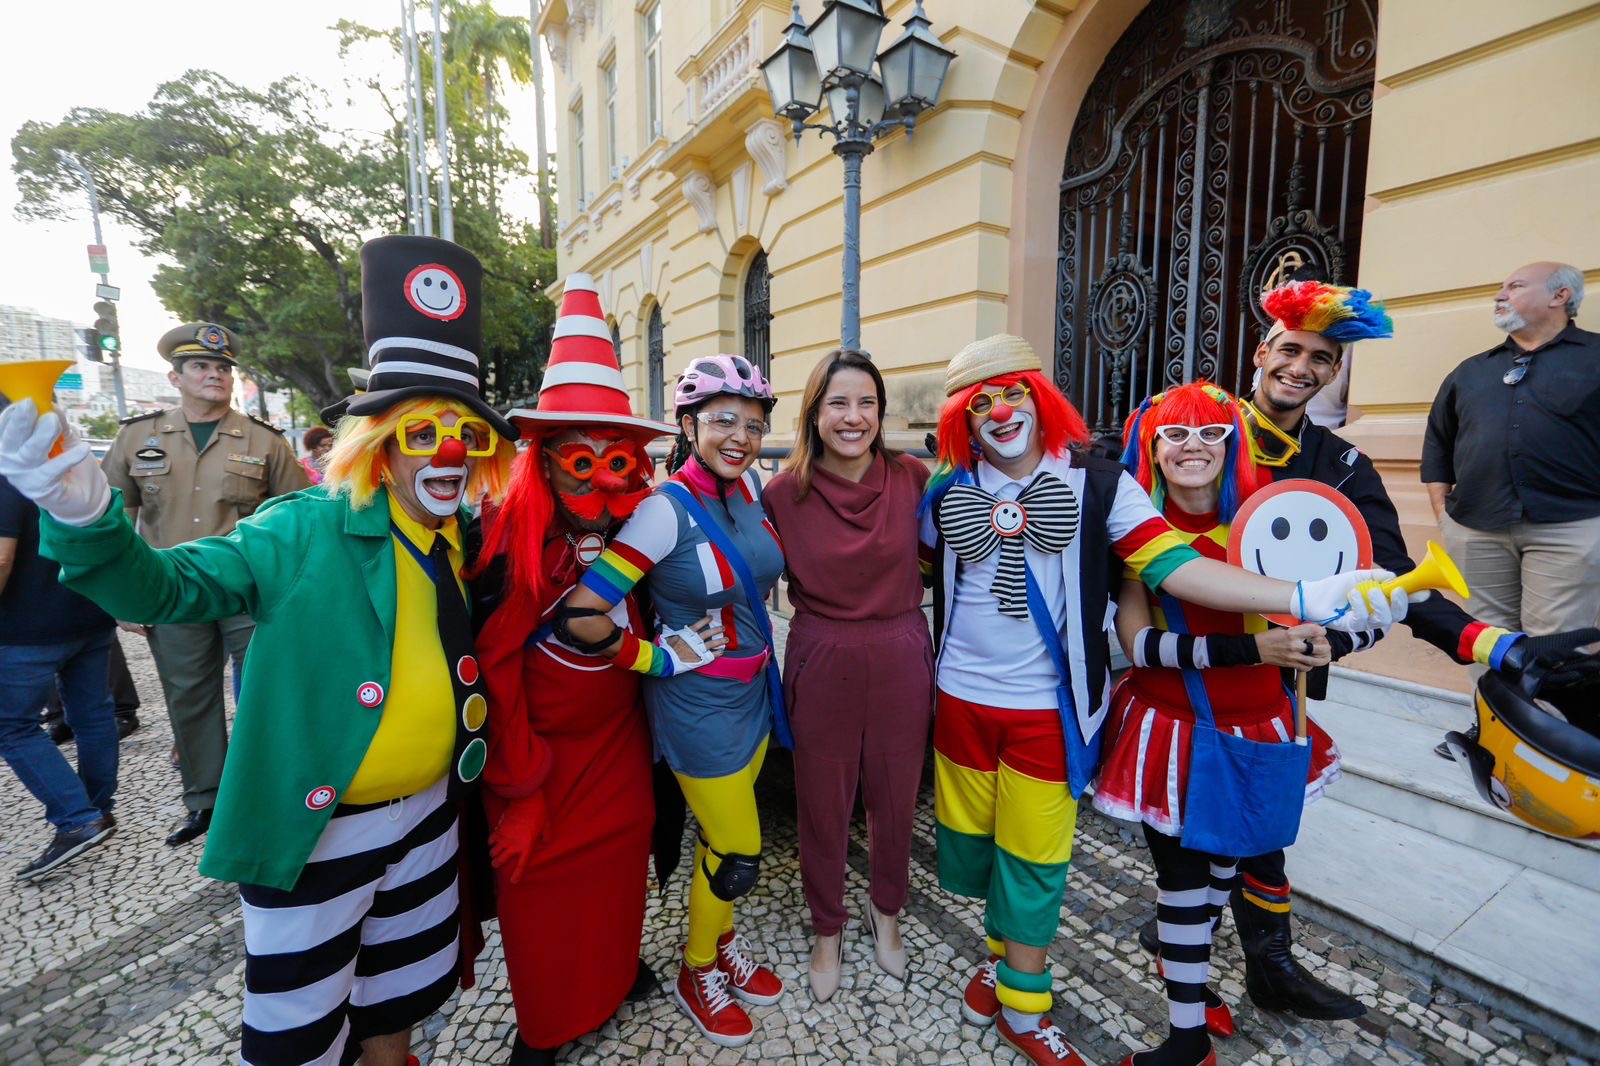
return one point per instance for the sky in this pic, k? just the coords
(112, 56)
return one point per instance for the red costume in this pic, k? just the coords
(568, 782)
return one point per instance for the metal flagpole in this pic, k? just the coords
(447, 221)
(413, 221)
(417, 137)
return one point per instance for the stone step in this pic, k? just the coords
(1514, 936)
(1424, 704)
(1390, 770)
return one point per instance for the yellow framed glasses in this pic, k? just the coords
(1269, 445)
(422, 435)
(1012, 396)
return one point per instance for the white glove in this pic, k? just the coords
(696, 644)
(1350, 602)
(72, 491)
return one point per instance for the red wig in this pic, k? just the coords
(1196, 404)
(1059, 421)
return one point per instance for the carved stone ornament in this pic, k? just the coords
(766, 141)
(701, 193)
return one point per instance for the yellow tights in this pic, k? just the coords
(725, 807)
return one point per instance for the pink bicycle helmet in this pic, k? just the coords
(712, 375)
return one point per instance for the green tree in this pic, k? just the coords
(99, 427)
(256, 207)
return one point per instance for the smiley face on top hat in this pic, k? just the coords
(422, 314)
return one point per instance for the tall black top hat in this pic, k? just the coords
(422, 314)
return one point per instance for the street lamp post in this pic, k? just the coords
(868, 94)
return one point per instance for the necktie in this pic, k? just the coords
(471, 702)
(975, 522)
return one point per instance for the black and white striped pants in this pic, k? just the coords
(367, 941)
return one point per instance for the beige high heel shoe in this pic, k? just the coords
(824, 983)
(891, 961)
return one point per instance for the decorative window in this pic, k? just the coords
(608, 77)
(758, 315)
(657, 364)
(616, 341)
(579, 185)
(652, 72)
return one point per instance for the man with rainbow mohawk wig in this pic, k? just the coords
(1301, 354)
(1017, 526)
(362, 715)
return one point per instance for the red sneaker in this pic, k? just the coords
(1219, 1019)
(703, 994)
(980, 1004)
(1045, 1046)
(747, 979)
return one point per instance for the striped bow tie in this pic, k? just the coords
(975, 522)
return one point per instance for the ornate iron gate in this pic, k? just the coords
(1222, 146)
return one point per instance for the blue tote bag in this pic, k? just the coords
(1244, 797)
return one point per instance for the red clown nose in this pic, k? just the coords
(1002, 412)
(451, 453)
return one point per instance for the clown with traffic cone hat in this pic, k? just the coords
(570, 788)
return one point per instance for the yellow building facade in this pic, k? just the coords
(1108, 178)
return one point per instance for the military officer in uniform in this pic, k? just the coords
(188, 472)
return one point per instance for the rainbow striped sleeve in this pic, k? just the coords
(1153, 551)
(1485, 644)
(643, 657)
(614, 574)
(1151, 548)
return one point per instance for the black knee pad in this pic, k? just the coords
(735, 876)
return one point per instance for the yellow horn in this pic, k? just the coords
(34, 379)
(1436, 571)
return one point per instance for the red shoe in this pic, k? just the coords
(1219, 1019)
(1209, 1060)
(1045, 1046)
(979, 1004)
(747, 979)
(412, 1060)
(703, 994)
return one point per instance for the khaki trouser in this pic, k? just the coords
(1537, 577)
(191, 662)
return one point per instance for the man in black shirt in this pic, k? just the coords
(1510, 459)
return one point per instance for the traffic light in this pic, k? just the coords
(89, 344)
(106, 325)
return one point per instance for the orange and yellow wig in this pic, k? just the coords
(1196, 404)
(1059, 422)
(359, 461)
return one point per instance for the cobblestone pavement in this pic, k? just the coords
(129, 956)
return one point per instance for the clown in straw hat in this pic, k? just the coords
(1019, 522)
(569, 783)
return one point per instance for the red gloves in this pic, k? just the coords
(519, 830)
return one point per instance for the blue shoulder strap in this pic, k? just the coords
(752, 595)
(1199, 700)
(1083, 756)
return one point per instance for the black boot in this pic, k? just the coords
(645, 984)
(524, 1055)
(1150, 936)
(1272, 977)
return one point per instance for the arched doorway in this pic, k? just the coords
(1222, 145)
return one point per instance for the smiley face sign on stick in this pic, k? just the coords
(1299, 530)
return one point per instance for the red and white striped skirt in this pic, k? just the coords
(1144, 772)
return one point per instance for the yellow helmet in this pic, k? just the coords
(1532, 763)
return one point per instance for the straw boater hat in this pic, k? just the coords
(422, 313)
(583, 384)
(1003, 353)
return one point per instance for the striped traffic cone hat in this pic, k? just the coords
(583, 383)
